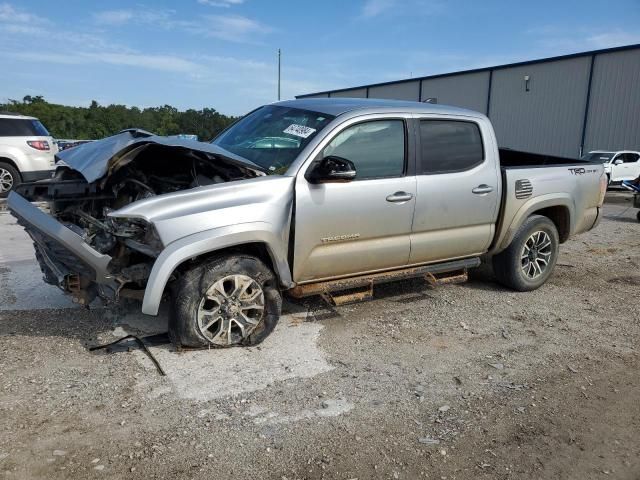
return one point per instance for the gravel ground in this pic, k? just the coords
(457, 382)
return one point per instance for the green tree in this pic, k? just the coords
(98, 121)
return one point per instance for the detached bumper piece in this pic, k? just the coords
(66, 260)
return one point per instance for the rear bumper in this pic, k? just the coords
(36, 175)
(60, 251)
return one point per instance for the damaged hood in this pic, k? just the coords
(95, 159)
(179, 214)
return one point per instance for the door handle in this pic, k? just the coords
(480, 189)
(399, 197)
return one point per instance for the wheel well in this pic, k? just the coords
(10, 162)
(561, 217)
(256, 249)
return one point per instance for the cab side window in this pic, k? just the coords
(376, 148)
(629, 157)
(449, 146)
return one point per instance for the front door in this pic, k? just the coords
(628, 167)
(364, 225)
(458, 189)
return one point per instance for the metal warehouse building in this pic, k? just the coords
(563, 105)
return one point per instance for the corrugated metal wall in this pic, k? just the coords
(466, 91)
(397, 91)
(548, 118)
(613, 122)
(354, 93)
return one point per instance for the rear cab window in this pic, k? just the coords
(448, 146)
(21, 127)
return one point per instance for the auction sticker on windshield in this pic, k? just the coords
(299, 130)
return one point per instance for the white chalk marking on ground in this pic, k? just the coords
(330, 408)
(291, 351)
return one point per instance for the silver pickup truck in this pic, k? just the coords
(317, 196)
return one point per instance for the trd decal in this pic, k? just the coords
(582, 170)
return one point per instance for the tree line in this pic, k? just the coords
(99, 121)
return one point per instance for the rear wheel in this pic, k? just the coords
(9, 179)
(228, 301)
(638, 216)
(529, 260)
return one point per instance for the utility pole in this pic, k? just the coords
(279, 62)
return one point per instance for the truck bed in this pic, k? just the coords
(517, 158)
(568, 190)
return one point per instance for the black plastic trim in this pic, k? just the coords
(36, 175)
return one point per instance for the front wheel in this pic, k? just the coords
(228, 301)
(529, 260)
(638, 216)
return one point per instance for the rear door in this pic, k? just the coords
(458, 188)
(364, 225)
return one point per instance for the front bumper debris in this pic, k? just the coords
(64, 257)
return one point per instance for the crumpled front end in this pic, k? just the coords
(66, 260)
(84, 246)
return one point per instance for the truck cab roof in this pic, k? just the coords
(339, 106)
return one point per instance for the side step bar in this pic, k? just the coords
(448, 272)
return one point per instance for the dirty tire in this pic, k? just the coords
(638, 216)
(508, 266)
(8, 172)
(190, 289)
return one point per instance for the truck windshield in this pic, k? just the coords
(273, 136)
(603, 157)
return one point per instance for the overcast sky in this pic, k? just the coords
(222, 53)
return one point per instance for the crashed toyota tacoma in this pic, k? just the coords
(316, 196)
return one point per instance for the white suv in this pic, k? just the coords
(619, 166)
(26, 151)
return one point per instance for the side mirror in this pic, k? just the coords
(332, 169)
(618, 161)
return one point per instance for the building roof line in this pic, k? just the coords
(479, 70)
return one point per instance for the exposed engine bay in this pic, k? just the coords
(145, 167)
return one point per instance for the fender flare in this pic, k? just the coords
(533, 205)
(208, 241)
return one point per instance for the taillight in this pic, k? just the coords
(38, 144)
(603, 189)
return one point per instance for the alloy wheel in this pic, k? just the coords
(230, 310)
(536, 255)
(6, 180)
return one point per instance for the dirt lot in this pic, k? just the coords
(459, 382)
